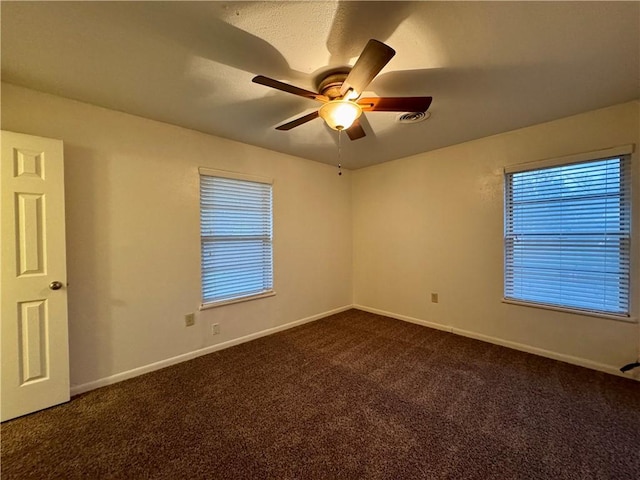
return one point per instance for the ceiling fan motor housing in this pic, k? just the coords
(330, 85)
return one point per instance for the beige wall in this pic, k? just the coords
(404, 229)
(434, 222)
(133, 234)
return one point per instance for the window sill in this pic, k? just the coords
(248, 298)
(619, 318)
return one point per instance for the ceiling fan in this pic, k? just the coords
(340, 93)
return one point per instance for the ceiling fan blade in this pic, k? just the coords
(372, 59)
(298, 121)
(395, 104)
(285, 87)
(355, 131)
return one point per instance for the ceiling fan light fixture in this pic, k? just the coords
(340, 114)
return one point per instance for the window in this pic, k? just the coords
(236, 237)
(568, 231)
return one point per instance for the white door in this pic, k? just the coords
(35, 351)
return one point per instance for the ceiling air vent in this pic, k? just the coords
(413, 117)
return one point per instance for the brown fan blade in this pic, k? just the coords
(395, 104)
(298, 121)
(285, 87)
(355, 131)
(372, 59)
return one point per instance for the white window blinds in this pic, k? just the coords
(567, 235)
(236, 238)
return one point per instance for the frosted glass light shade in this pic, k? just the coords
(340, 114)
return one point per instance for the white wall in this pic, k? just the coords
(434, 223)
(133, 248)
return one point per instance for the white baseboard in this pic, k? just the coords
(118, 377)
(582, 362)
(405, 318)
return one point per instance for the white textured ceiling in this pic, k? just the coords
(490, 66)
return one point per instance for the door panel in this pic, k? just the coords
(35, 352)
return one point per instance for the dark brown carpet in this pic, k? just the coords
(351, 396)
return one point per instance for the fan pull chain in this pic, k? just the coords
(339, 152)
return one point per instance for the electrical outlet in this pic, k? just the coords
(189, 319)
(215, 328)
(434, 298)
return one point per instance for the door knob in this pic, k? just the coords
(55, 285)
